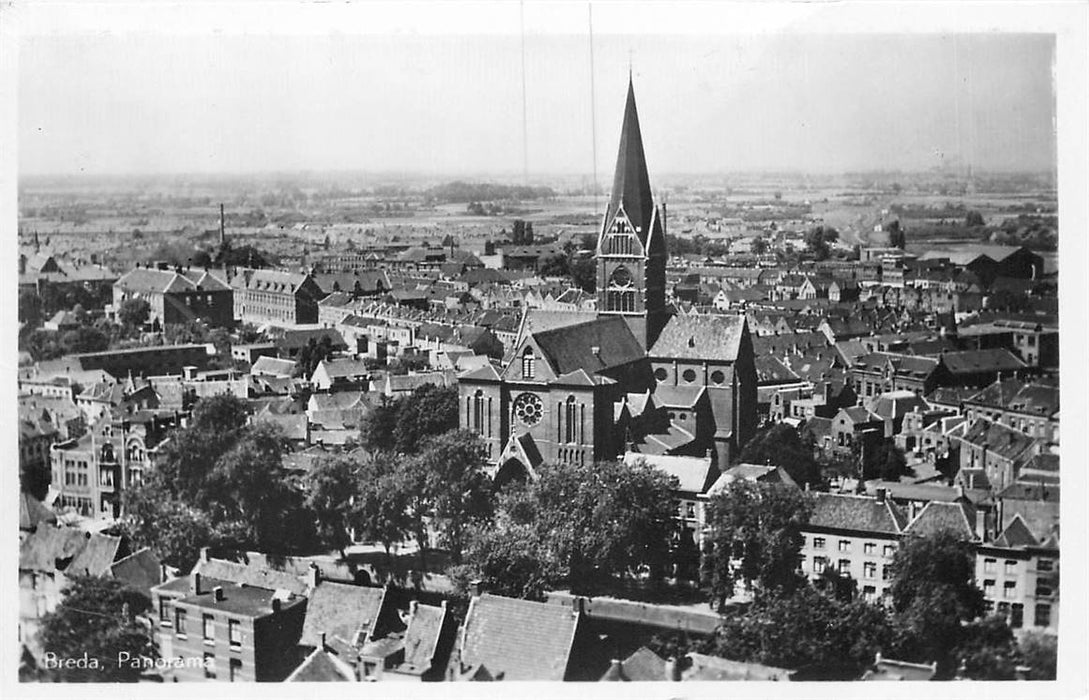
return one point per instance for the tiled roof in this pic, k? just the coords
(572, 347)
(895, 404)
(1016, 534)
(713, 337)
(140, 570)
(643, 665)
(859, 513)
(1006, 442)
(50, 548)
(322, 667)
(97, 555)
(33, 512)
(694, 474)
(958, 517)
(903, 365)
(677, 396)
(259, 577)
(520, 639)
(346, 613)
(422, 638)
(972, 361)
(273, 366)
(714, 668)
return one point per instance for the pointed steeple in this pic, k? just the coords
(631, 184)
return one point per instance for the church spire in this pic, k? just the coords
(631, 184)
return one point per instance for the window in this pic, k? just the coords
(718, 377)
(164, 611)
(1011, 567)
(886, 573)
(845, 566)
(845, 545)
(209, 665)
(1045, 565)
(528, 364)
(1043, 615)
(690, 511)
(478, 412)
(989, 566)
(818, 564)
(889, 551)
(528, 409)
(818, 543)
(1009, 589)
(179, 623)
(1043, 590)
(869, 548)
(988, 588)
(661, 374)
(869, 570)
(1017, 615)
(689, 375)
(869, 592)
(235, 666)
(571, 420)
(234, 632)
(209, 628)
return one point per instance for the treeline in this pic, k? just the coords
(460, 191)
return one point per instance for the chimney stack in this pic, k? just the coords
(217, 593)
(672, 669)
(880, 493)
(313, 575)
(476, 587)
(205, 553)
(276, 605)
(196, 584)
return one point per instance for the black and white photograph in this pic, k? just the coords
(597, 342)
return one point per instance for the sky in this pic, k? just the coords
(132, 102)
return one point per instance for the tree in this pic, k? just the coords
(554, 266)
(897, 235)
(933, 591)
(97, 618)
(84, 339)
(806, 628)
(510, 559)
(819, 239)
(429, 410)
(380, 512)
(30, 309)
(973, 218)
(584, 274)
(988, 651)
(759, 246)
(378, 429)
(842, 587)
(780, 445)
(134, 313)
(754, 538)
(331, 485)
(459, 491)
(1039, 651)
(605, 520)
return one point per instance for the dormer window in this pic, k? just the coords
(529, 362)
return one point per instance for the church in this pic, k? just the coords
(631, 377)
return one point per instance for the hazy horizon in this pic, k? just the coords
(448, 106)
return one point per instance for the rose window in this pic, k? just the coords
(528, 409)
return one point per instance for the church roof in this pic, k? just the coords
(631, 184)
(569, 348)
(700, 338)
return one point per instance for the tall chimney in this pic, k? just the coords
(313, 575)
(276, 605)
(222, 226)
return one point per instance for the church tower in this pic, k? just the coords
(631, 247)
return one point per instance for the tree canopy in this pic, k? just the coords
(402, 424)
(753, 538)
(780, 445)
(97, 618)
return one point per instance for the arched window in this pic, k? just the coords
(570, 420)
(478, 412)
(529, 362)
